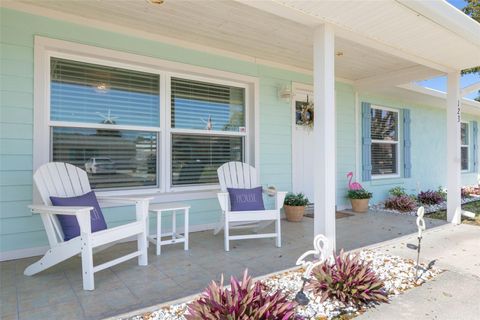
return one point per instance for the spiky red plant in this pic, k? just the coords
(245, 300)
(430, 197)
(347, 279)
(401, 203)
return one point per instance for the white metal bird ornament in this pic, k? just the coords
(420, 221)
(321, 247)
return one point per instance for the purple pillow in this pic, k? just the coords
(69, 224)
(246, 199)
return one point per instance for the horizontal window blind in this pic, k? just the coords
(384, 148)
(206, 106)
(196, 158)
(112, 158)
(464, 154)
(384, 158)
(91, 93)
(464, 151)
(384, 125)
(464, 133)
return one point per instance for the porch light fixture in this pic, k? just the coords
(156, 1)
(285, 93)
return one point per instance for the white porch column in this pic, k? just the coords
(453, 147)
(324, 131)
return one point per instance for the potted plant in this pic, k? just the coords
(359, 199)
(294, 206)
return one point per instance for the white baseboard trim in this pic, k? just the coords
(40, 251)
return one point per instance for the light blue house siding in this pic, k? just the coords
(20, 230)
(428, 150)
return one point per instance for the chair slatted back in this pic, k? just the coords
(236, 174)
(58, 179)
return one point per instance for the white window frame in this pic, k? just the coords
(465, 146)
(45, 48)
(397, 143)
(170, 131)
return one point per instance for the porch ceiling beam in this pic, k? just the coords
(324, 131)
(286, 12)
(454, 114)
(471, 88)
(397, 77)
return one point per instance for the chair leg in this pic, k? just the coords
(227, 234)
(87, 265)
(142, 241)
(143, 248)
(278, 231)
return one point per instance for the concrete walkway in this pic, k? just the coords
(455, 293)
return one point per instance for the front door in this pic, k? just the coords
(302, 145)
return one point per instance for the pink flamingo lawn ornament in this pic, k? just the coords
(353, 185)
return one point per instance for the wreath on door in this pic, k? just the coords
(305, 114)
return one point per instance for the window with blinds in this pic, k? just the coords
(207, 106)
(208, 129)
(384, 148)
(105, 120)
(112, 122)
(196, 158)
(464, 136)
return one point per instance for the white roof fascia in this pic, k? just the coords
(471, 88)
(447, 16)
(437, 94)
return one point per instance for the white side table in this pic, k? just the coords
(161, 208)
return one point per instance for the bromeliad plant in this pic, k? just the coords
(348, 279)
(401, 203)
(244, 300)
(430, 197)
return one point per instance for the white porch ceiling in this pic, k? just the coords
(244, 27)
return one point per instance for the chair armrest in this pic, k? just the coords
(224, 200)
(279, 198)
(125, 199)
(141, 204)
(82, 214)
(71, 211)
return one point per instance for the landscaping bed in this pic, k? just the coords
(433, 201)
(396, 274)
(429, 209)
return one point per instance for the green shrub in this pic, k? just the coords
(397, 191)
(359, 194)
(296, 200)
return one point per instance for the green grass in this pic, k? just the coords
(472, 207)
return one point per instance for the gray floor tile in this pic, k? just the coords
(57, 293)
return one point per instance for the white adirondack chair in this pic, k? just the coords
(241, 175)
(65, 180)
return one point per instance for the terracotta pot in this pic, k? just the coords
(359, 205)
(294, 213)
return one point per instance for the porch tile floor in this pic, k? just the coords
(57, 293)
